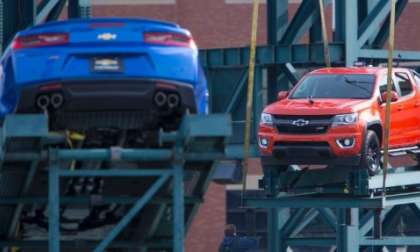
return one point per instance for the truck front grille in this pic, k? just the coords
(302, 124)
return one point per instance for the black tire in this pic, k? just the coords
(371, 154)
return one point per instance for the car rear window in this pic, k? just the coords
(335, 86)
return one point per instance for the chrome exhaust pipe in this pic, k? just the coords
(57, 100)
(160, 99)
(43, 101)
(173, 100)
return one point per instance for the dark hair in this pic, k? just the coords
(230, 230)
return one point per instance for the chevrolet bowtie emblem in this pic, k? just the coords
(107, 36)
(300, 122)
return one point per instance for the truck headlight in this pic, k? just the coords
(346, 119)
(266, 119)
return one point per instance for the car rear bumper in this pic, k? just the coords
(108, 103)
(110, 95)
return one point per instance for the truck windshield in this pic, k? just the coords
(335, 86)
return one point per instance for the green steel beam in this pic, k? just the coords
(294, 220)
(383, 34)
(329, 217)
(315, 32)
(24, 126)
(123, 154)
(366, 223)
(237, 152)
(362, 10)
(178, 209)
(53, 204)
(44, 9)
(308, 242)
(233, 151)
(276, 222)
(391, 241)
(2, 37)
(86, 200)
(273, 235)
(115, 173)
(299, 54)
(26, 186)
(142, 201)
(159, 214)
(365, 218)
(73, 9)
(277, 21)
(340, 29)
(290, 73)
(306, 15)
(76, 244)
(373, 21)
(317, 202)
(370, 6)
(203, 182)
(334, 201)
(239, 89)
(308, 218)
(351, 238)
(258, 99)
(350, 26)
(56, 11)
(381, 55)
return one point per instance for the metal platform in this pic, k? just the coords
(348, 201)
(146, 200)
(341, 180)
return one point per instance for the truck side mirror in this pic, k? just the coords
(282, 95)
(394, 96)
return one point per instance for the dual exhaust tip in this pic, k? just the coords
(55, 100)
(171, 100)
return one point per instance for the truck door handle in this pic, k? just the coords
(399, 107)
(417, 104)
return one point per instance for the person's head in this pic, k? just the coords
(230, 230)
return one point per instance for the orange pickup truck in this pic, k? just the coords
(335, 116)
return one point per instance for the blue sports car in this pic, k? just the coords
(116, 82)
(104, 72)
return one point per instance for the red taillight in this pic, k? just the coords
(169, 39)
(38, 40)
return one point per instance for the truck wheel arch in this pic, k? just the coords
(376, 126)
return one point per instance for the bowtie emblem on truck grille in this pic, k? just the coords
(300, 122)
